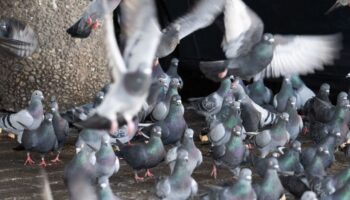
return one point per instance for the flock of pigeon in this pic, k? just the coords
(250, 129)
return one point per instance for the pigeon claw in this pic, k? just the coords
(29, 160)
(96, 25)
(214, 172)
(57, 159)
(148, 174)
(42, 163)
(138, 179)
(89, 21)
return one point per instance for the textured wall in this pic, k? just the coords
(71, 69)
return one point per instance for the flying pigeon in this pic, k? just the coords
(132, 72)
(251, 53)
(338, 4)
(17, 39)
(92, 17)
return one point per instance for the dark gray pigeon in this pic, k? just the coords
(270, 139)
(144, 156)
(173, 71)
(241, 190)
(29, 118)
(333, 183)
(230, 154)
(270, 187)
(161, 109)
(315, 170)
(341, 194)
(281, 98)
(301, 91)
(290, 159)
(195, 157)
(42, 140)
(259, 93)
(318, 107)
(249, 52)
(17, 39)
(211, 104)
(201, 15)
(179, 185)
(60, 126)
(91, 138)
(132, 72)
(92, 17)
(295, 123)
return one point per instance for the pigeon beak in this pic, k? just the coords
(334, 7)
(277, 167)
(178, 102)
(77, 150)
(338, 134)
(299, 149)
(348, 105)
(53, 109)
(293, 103)
(328, 91)
(348, 75)
(326, 152)
(248, 178)
(42, 97)
(186, 158)
(95, 122)
(101, 97)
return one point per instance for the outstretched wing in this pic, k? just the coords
(302, 54)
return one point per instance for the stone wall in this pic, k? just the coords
(72, 69)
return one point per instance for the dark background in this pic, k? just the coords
(279, 16)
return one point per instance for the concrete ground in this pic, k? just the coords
(19, 182)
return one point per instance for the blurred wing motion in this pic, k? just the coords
(132, 72)
(302, 54)
(90, 19)
(338, 4)
(202, 15)
(17, 39)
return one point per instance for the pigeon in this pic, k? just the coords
(80, 174)
(92, 17)
(179, 185)
(270, 187)
(195, 157)
(290, 159)
(331, 184)
(144, 156)
(252, 53)
(309, 195)
(221, 127)
(338, 4)
(132, 72)
(254, 116)
(315, 170)
(172, 71)
(29, 118)
(230, 154)
(17, 39)
(161, 109)
(261, 164)
(104, 192)
(90, 138)
(295, 123)
(259, 93)
(281, 98)
(301, 91)
(241, 190)
(211, 104)
(60, 126)
(318, 107)
(202, 15)
(106, 162)
(42, 140)
(269, 140)
(341, 194)
(174, 125)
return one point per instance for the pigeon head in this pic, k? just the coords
(53, 104)
(37, 95)
(100, 95)
(284, 116)
(182, 154)
(175, 83)
(137, 82)
(156, 131)
(237, 130)
(342, 96)
(189, 133)
(325, 89)
(174, 62)
(269, 38)
(297, 146)
(176, 99)
(322, 150)
(292, 101)
(105, 139)
(48, 117)
(162, 80)
(273, 163)
(245, 174)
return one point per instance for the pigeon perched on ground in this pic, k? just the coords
(240, 190)
(251, 53)
(174, 125)
(79, 174)
(270, 187)
(295, 123)
(341, 194)
(29, 118)
(211, 104)
(17, 39)
(281, 98)
(259, 93)
(315, 170)
(144, 156)
(202, 15)
(179, 185)
(301, 91)
(161, 109)
(173, 71)
(270, 139)
(290, 159)
(91, 138)
(195, 157)
(231, 154)
(60, 126)
(132, 72)
(92, 17)
(42, 140)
